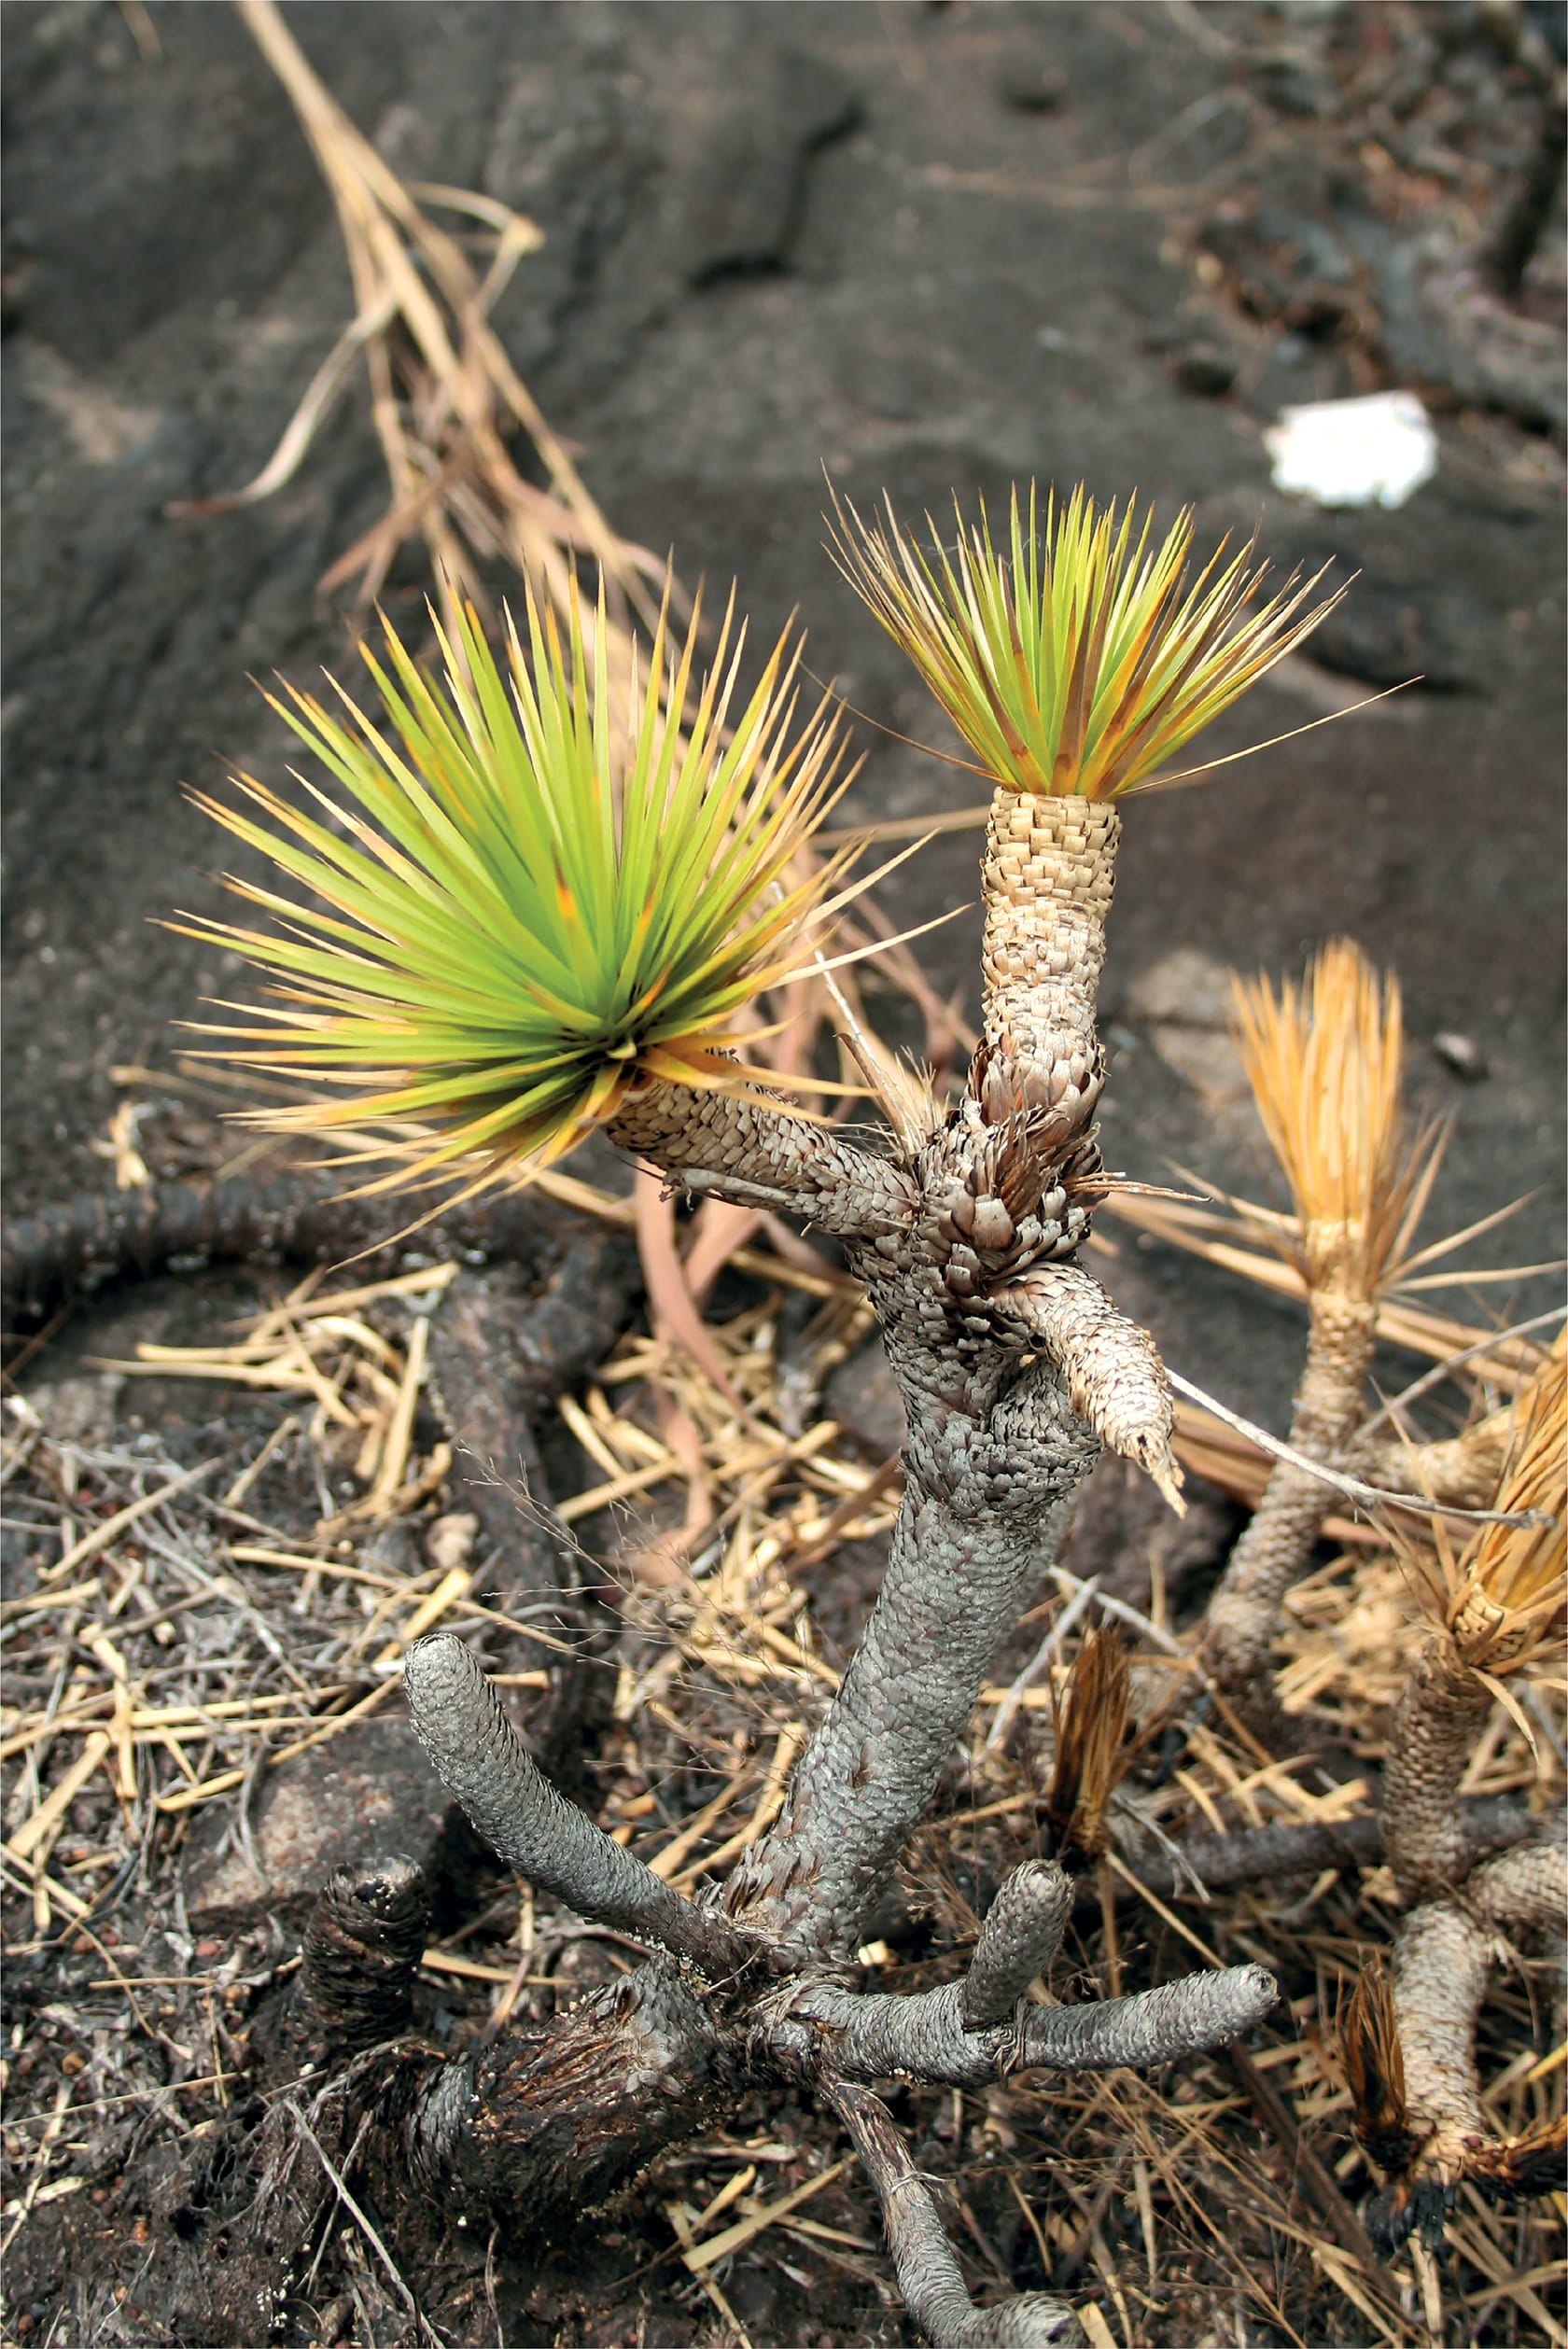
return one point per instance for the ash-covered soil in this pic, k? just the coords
(933, 249)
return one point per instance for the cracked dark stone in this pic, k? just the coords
(370, 1790)
(1205, 369)
(756, 118)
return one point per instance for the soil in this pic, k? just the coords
(932, 248)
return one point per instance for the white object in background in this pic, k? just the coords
(1375, 451)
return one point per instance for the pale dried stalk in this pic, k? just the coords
(1500, 1606)
(1465, 1470)
(1443, 1954)
(1274, 1546)
(1325, 1062)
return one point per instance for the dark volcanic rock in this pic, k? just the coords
(369, 1791)
(862, 1395)
(753, 122)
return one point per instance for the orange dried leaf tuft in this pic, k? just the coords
(1091, 1724)
(1325, 1063)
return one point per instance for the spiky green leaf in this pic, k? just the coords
(524, 898)
(1074, 660)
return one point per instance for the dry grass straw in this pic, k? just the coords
(1502, 1598)
(1090, 1722)
(132, 1673)
(363, 1387)
(1373, 2068)
(444, 395)
(1158, 2199)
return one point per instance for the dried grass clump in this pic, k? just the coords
(1091, 1713)
(1374, 2063)
(1325, 1063)
(1503, 1599)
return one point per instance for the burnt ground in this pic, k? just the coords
(934, 249)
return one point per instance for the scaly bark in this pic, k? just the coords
(874, 2035)
(760, 1157)
(1116, 1380)
(993, 1456)
(1464, 1472)
(1443, 1954)
(1441, 1959)
(362, 1950)
(1021, 1934)
(1524, 1891)
(485, 1765)
(960, 1246)
(1273, 1550)
(1433, 1734)
(929, 2275)
(958, 1572)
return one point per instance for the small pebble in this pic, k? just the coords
(1206, 370)
(1031, 86)
(1462, 1054)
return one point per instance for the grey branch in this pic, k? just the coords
(1114, 1376)
(877, 2036)
(929, 2275)
(1021, 1934)
(1523, 1891)
(953, 1586)
(481, 1760)
(1200, 1865)
(758, 1155)
(1156, 2026)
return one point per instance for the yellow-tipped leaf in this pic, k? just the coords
(525, 898)
(1078, 658)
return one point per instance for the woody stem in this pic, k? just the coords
(1274, 1548)
(1049, 872)
(761, 1157)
